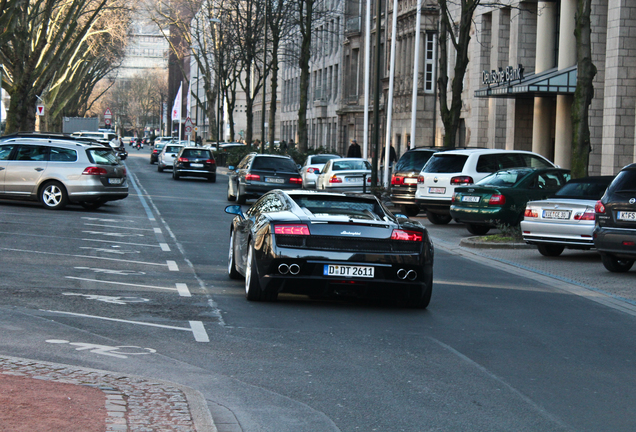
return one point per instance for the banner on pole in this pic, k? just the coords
(176, 107)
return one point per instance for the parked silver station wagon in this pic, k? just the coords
(58, 172)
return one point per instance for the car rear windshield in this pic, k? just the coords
(102, 156)
(274, 164)
(625, 181)
(173, 149)
(351, 165)
(449, 163)
(340, 206)
(584, 189)
(197, 153)
(322, 159)
(504, 178)
(413, 160)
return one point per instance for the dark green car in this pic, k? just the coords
(500, 198)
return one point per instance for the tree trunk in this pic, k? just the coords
(272, 103)
(584, 93)
(305, 54)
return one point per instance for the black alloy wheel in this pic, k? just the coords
(616, 265)
(477, 229)
(550, 250)
(438, 219)
(240, 198)
(410, 210)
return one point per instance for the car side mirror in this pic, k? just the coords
(400, 216)
(231, 168)
(298, 166)
(235, 210)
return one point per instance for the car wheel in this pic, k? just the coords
(229, 196)
(159, 168)
(231, 262)
(240, 198)
(53, 196)
(616, 265)
(212, 178)
(550, 250)
(410, 210)
(252, 285)
(175, 175)
(152, 162)
(93, 205)
(438, 219)
(476, 229)
(421, 294)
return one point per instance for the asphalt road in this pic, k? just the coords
(140, 287)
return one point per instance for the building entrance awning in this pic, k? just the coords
(550, 82)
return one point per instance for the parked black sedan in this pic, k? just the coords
(328, 244)
(615, 230)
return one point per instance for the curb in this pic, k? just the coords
(106, 381)
(478, 243)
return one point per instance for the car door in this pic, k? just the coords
(320, 180)
(24, 169)
(5, 153)
(242, 234)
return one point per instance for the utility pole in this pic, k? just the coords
(376, 97)
(264, 78)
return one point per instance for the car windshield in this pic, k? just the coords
(159, 146)
(196, 153)
(351, 165)
(413, 160)
(322, 159)
(507, 178)
(625, 182)
(340, 206)
(448, 163)
(274, 164)
(584, 189)
(173, 149)
(102, 156)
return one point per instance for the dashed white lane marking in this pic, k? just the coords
(118, 227)
(158, 230)
(109, 299)
(198, 330)
(164, 247)
(113, 234)
(119, 242)
(183, 290)
(118, 221)
(112, 251)
(122, 283)
(172, 266)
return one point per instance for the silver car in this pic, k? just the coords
(167, 156)
(565, 220)
(345, 175)
(59, 172)
(311, 168)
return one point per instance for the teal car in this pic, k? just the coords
(501, 197)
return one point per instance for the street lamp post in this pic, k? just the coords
(218, 75)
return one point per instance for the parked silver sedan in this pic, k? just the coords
(167, 156)
(567, 219)
(57, 172)
(345, 175)
(311, 168)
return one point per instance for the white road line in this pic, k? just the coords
(93, 257)
(198, 330)
(113, 234)
(172, 266)
(183, 290)
(164, 247)
(118, 242)
(158, 230)
(119, 320)
(117, 227)
(122, 283)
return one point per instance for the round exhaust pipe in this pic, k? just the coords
(411, 275)
(294, 269)
(401, 273)
(283, 269)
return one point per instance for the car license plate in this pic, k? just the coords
(196, 165)
(274, 180)
(410, 181)
(114, 181)
(556, 214)
(473, 199)
(353, 179)
(437, 190)
(631, 216)
(348, 271)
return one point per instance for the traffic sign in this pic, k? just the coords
(107, 122)
(39, 109)
(108, 113)
(188, 126)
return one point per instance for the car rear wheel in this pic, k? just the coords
(175, 175)
(53, 196)
(240, 198)
(252, 285)
(410, 210)
(212, 178)
(550, 250)
(616, 265)
(421, 294)
(477, 229)
(92, 205)
(438, 219)
(230, 197)
(159, 168)
(231, 262)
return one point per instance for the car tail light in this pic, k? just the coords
(587, 215)
(497, 200)
(530, 212)
(369, 179)
(399, 234)
(420, 179)
(296, 180)
(461, 180)
(292, 229)
(182, 159)
(210, 161)
(599, 207)
(453, 198)
(312, 170)
(95, 171)
(397, 180)
(629, 243)
(252, 177)
(155, 151)
(335, 179)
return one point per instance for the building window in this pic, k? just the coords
(429, 63)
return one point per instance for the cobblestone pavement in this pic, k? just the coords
(133, 404)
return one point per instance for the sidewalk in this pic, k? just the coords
(41, 396)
